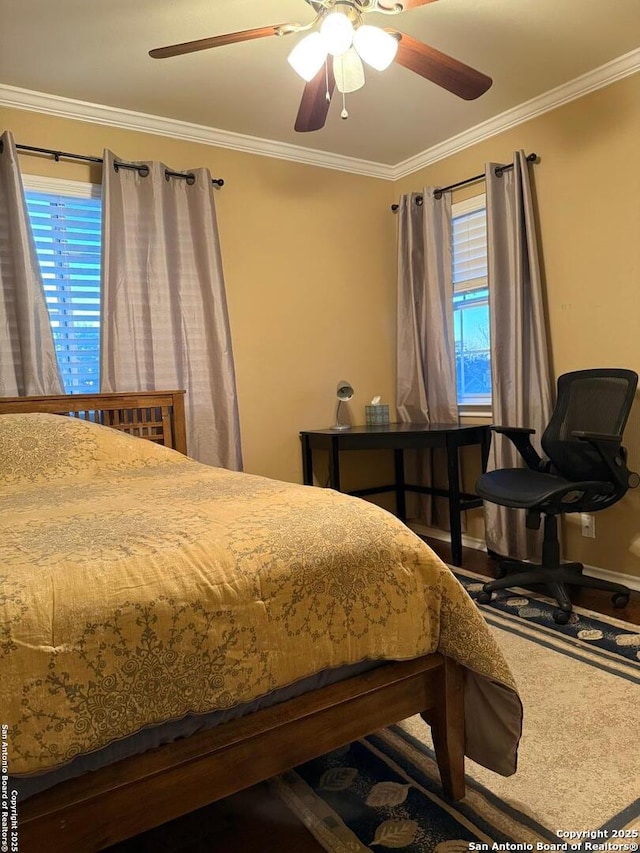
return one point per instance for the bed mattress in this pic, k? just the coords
(139, 587)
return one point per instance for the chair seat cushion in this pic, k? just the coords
(525, 489)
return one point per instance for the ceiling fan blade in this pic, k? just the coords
(315, 104)
(441, 69)
(401, 5)
(213, 41)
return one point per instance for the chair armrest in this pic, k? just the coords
(505, 430)
(614, 456)
(520, 438)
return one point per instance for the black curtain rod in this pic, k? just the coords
(142, 170)
(531, 158)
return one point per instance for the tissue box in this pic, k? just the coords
(376, 415)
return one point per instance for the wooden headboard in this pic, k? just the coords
(155, 415)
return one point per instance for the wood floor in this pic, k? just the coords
(253, 821)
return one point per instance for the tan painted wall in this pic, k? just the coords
(309, 262)
(309, 257)
(587, 185)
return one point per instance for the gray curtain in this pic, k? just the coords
(28, 363)
(426, 372)
(522, 389)
(165, 323)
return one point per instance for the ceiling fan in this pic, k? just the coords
(338, 31)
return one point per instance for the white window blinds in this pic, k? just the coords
(67, 231)
(470, 250)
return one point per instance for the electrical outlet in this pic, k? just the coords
(588, 525)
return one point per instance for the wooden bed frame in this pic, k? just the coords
(155, 415)
(117, 802)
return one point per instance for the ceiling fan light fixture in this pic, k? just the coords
(348, 71)
(342, 35)
(308, 56)
(337, 32)
(375, 46)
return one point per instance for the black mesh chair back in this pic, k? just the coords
(592, 401)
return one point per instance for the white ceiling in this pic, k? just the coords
(97, 51)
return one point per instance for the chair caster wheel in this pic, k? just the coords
(561, 617)
(483, 597)
(620, 599)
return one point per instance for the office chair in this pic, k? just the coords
(586, 471)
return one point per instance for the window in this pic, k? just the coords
(471, 303)
(66, 222)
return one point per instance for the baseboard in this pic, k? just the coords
(479, 545)
(445, 536)
(616, 577)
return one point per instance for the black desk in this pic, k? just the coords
(398, 437)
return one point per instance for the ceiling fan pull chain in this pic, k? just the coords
(344, 114)
(326, 77)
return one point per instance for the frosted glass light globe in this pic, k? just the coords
(377, 47)
(337, 32)
(308, 56)
(348, 71)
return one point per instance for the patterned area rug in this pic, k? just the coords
(579, 762)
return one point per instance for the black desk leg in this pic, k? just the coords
(334, 465)
(307, 461)
(401, 508)
(454, 502)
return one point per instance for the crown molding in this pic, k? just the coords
(26, 99)
(55, 105)
(617, 69)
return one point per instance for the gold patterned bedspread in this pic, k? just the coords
(137, 586)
